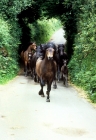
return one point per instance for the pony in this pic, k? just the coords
(60, 56)
(46, 69)
(38, 53)
(64, 71)
(33, 68)
(27, 56)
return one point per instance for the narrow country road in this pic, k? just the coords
(24, 115)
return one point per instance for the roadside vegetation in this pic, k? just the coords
(9, 41)
(82, 65)
(24, 21)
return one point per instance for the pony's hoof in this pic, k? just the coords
(54, 86)
(66, 85)
(47, 100)
(39, 93)
(35, 80)
(42, 95)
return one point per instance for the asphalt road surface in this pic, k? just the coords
(24, 115)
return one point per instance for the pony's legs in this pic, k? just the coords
(54, 83)
(32, 72)
(26, 68)
(41, 90)
(29, 68)
(66, 81)
(58, 73)
(48, 91)
(34, 75)
(36, 78)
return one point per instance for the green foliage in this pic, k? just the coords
(8, 50)
(8, 68)
(12, 8)
(42, 30)
(83, 63)
(10, 36)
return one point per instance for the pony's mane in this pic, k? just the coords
(51, 45)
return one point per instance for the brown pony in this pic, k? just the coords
(27, 56)
(46, 69)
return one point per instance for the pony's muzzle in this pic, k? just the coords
(50, 58)
(61, 54)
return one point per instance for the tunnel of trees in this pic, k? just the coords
(26, 20)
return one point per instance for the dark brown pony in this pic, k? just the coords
(27, 56)
(60, 57)
(33, 68)
(46, 69)
(38, 53)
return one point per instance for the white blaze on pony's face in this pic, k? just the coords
(50, 53)
(29, 56)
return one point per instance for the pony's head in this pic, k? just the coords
(61, 49)
(33, 46)
(50, 53)
(50, 50)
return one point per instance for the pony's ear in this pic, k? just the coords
(44, 47)
(31, 43)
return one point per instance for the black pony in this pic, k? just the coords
(61, 55)
(39, 53)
